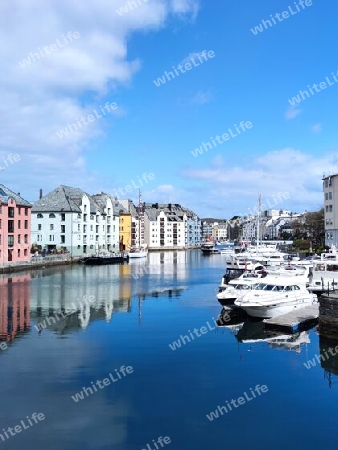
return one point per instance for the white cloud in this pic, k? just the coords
(41, 98)
(188, 58)
(233, 189)
(201, 97)
(292, 112)
(317, 128)
(186, 6)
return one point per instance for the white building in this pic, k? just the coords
(170, 226)
(219, 231)
(70, 219)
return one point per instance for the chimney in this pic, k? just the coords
(40, 194)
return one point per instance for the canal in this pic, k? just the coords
(129, 357)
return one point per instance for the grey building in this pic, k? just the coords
(330, 187)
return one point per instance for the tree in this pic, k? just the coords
(310, 227)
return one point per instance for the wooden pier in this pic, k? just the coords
(295, 321)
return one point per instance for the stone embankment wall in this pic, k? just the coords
(328, 316)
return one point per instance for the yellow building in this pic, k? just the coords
(125, 231)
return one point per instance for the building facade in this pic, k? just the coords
(69, 219)
(15, 227)
(170, 226)
(330, 188)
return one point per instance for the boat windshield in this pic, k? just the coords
(242, 286)
(267, 287)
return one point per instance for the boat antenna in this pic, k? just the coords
(258, 220)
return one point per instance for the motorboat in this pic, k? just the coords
(275, 296)
(230, 292)
(208, 248)
(100, 260)
(233, 272)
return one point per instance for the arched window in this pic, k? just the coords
(40, 216)
(52, 216)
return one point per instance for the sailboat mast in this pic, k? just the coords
(139, 218)
(258, 220)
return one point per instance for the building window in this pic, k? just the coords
(19, 253)
(51, 216)
(19, 224)
(19, 238)
(19, 211)
(51, 226)
(10, 241)
(330, 195)
(40, 216)
(11, 226)
(63, 228)
(39, 226)
(326, 196)
(10, 211)
(26, 211)
(62, 239)
(85, 208)
(26, 238)
(330, 208)
(63, 217)
(79, 216)
(51, 238)
(26, 224)
(91, 217)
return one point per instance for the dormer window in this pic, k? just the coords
(40, 216)
(52, 216)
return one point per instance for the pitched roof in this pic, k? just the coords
(5, 193)
(62, 199)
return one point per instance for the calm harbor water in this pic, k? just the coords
(131, 321)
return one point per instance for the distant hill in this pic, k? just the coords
(208, 219)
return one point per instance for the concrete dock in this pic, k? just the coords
(298, 320)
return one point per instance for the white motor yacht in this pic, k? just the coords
(229, 293)
(275, 296)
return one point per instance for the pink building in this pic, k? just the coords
(15, 227)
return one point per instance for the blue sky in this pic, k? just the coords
(155, 129)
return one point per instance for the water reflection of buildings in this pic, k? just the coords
(64, 289)
(14, 307)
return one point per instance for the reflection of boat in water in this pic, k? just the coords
(254, 331)
(231, 319)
